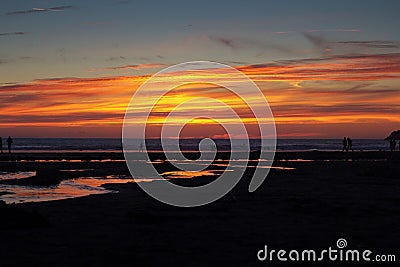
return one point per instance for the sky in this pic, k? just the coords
(327, 68)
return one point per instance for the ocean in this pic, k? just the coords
(115, 144)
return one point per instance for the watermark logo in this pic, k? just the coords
(341, 243)
(330, 254)
(144, 104)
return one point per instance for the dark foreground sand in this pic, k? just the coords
(354, 196)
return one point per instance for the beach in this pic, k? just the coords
(309, 201)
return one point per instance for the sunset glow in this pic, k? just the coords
(333, 91)
(337, 81)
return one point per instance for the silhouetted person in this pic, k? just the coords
(1, 145)
(344, 144)
(9, 143)
(141, 147)
(349, 144)
(392, 145)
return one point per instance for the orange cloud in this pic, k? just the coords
(340, 90)
(336, 68)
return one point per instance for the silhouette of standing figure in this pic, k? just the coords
(344, 144)
(349, 144)
(9, 143)
(1, 145)
(141, 147)
(392, 145)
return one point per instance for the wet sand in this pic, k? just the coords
(328, 195)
